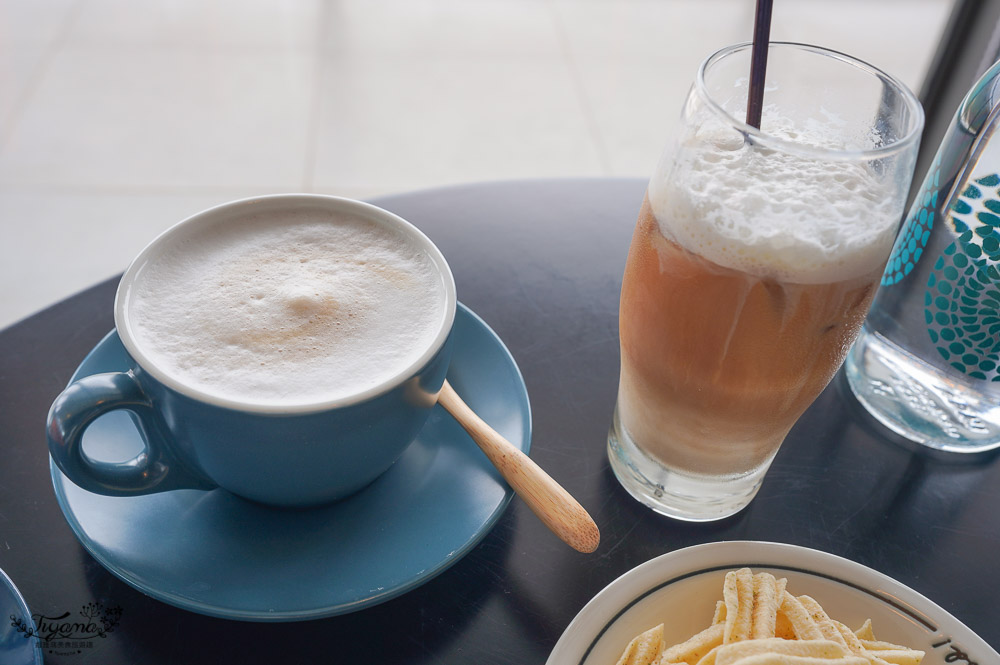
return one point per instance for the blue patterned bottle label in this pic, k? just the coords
(962, 298)
(916, 232)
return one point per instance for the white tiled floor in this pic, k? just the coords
(119, 118)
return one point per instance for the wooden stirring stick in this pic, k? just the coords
(547, 499)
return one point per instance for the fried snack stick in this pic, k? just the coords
(767, 593)
(755, 599)
(695, 649)
(644, 649)
(730, 654)
(822, 620)
(865, 632)
(855, 645)
(803, 625)
(841, 633)
(887, 651)
(720, 612)
(784, 659)
(762, 605)
(883, 654)
(796, 632)
(737, 592)
(709, 658)
(783, 627)
(892, 653)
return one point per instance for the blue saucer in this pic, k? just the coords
(16, 646)
(216, 554)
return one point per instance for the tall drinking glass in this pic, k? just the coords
(752, 266)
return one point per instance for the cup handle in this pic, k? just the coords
(155, 469)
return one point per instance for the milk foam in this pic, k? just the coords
(296, 308)
(789, 217)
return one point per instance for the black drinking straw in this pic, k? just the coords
(758, 62)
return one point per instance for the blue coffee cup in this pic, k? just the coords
(276, 454)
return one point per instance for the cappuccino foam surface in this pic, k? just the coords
(290, 308)
(779, 215)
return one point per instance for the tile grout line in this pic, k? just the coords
(63, 188)
(54, 45)
(312, 121)
(603, 154)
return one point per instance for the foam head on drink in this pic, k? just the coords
(292, 307)
(749, 274)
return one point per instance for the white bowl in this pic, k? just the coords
(679, 590)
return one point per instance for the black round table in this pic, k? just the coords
(541, 262)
